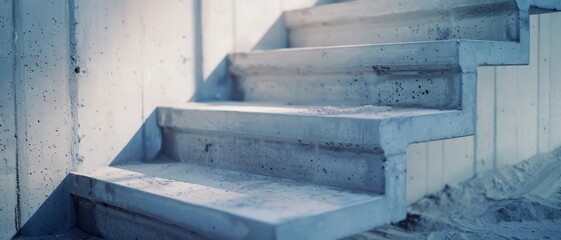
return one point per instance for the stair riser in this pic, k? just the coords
(338, 165)
(486, 22)
(114, 223)
(440, 90)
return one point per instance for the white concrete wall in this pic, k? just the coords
(43, 113)
(88, 76)
(132, 56)
(518, 116)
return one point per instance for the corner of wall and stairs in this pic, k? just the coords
(79, 90)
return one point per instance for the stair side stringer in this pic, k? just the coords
(475, 53)
(397, 135)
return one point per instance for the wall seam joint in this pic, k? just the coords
(17, 50)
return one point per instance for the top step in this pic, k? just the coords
(384, 21)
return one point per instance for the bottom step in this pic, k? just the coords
(74, 234)
(219, 203)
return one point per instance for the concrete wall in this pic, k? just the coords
(129, 57)
(518, 116)
(87, 79)
(8, 195)
(43, 112)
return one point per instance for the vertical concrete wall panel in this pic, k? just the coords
(217, 40)
(527, 99)
(44, 115)
(131, 56)
(458, 155)
(417, 180)
(108, 77)
(8, 171)
(555, 83)
(266, 33)
(485, 125)
(435, 169)
(288, 5)
(544, 69)
(506, 115)
(217, 34)
(108, 74)
(169, 59)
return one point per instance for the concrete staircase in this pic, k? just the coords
(312, 143)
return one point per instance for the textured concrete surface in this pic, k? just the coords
(353, 75)
(109, 222)
(510, 127)
(74, 234)
(230, 204)
(79, 83)
(8, 167)
(424, 74)
(228, 142)
(61, 82)
(337, 146)
(363, 22)
(43, 114)
(126, 63)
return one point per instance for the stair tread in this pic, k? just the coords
(360, 10)
(359, 112)
(362, 125)
(443, 55)
(231, 198)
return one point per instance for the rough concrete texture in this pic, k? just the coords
(354, 75)
(81, 83)
(510, 127)
(97, 81)
(109, 222)
(43, 114)
(388, 21)
(74, 234)
(336, 146)
(8, 168)
(230, 143)
(230, 204)
(129, 57)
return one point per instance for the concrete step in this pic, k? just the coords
(419, 74)
(214, 203)
(74, 234)
(534, 6)
(343, 147)
(384, 21)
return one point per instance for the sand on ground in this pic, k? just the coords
(522, 201)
